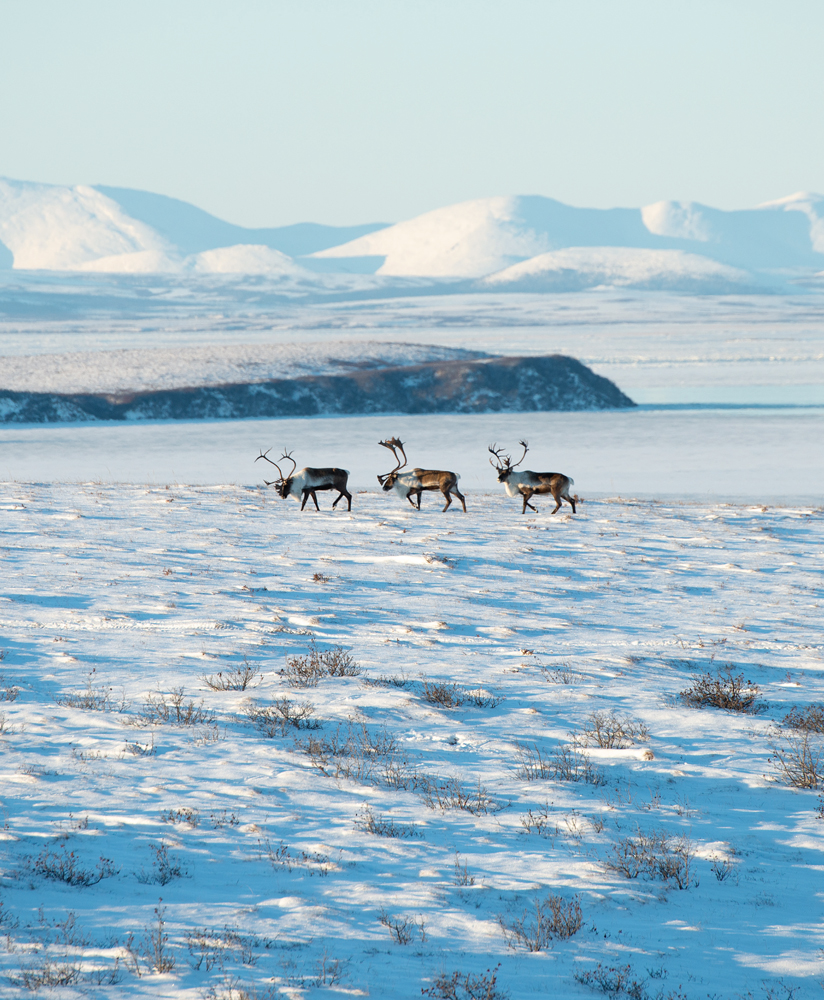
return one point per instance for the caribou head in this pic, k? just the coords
(504, 465)
(284, 484)
(388, 479)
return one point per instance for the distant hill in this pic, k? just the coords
(500, 244)
(493, 385)
(474, 239)
(192, 230)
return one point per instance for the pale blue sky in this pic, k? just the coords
(348, 111)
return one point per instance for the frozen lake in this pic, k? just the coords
(757, 454)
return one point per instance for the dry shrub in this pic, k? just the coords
(453, 696)
(551, 918)
(459, 986)
(65, 866)
(387, 680)
(724, 689)
(449, 793)
(93, 698)
(210, 948)
(798, 759)
(306, 671)
(565, 763)
(281, 715)
(403, 929)
(355, 752)
(810, 718)
(174, 709)
(238, 678)
(49, 974)
(562, 675)
(614, 980)
(381, 826)
(610, 731)
(191, 817)
(165, 867)
(655, 855)
(283, 857)
(541, 821)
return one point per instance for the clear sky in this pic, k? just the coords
(268, 112)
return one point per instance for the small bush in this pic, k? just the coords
(458, 986)
(306, 671)
(165, 867)
(355, 752)
(238, 678)
(380, 826)
(65, 866)
(138, 749)
(387, 680)
(7, 692)
(153, 947)
(93, 698)
(403, 929)
(462, 875)
(656, 856)
(283, 857)
(210, 948)
(798, 759)
(550, 918)
(724, 689)
(49, 974)
(562, 675)
(223, 818)
(614, 980)
(610, 731)
(281, 715)
(449, 793)
(809, 718)
(453, 696)
(174, 709)
(191, 817)
(565, 763)
(542, 822)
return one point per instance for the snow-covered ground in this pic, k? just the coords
(277, 875)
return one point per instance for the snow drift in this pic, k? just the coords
(652, 270)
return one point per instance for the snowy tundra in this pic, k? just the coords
(249, 752)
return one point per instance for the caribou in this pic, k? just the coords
(308, 481)
(527, 483)
(412, 484)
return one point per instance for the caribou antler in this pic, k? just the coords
(287, 457)
(264, 455)
(393, 444)
(525, 446)
(496, 451)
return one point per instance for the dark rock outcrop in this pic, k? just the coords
(497, 385)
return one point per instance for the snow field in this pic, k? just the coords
(120, 595)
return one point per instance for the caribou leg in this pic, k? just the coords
(343, 493)
(461, 497)
(306, 495)
(526, 494)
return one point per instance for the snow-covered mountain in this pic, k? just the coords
(117, 230)
(509, 243)
(478, 238)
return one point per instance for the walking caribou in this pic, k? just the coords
(412, 484)
(308, 481)
(526, 483)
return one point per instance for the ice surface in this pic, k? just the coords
(271, 876)
(763, 455)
